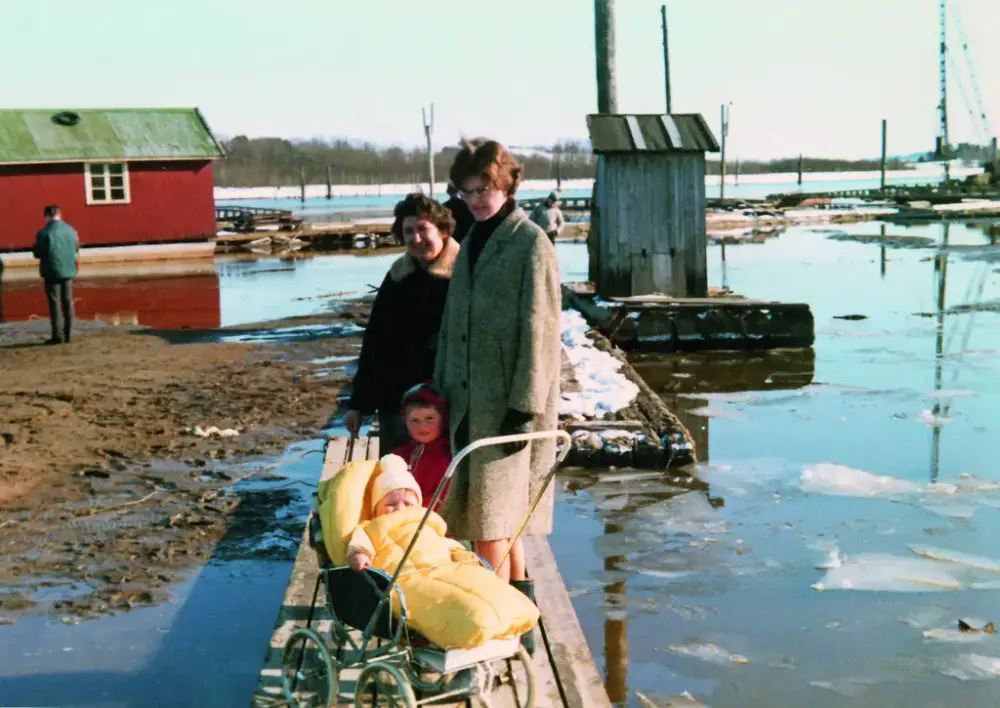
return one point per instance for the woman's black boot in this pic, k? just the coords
(527, 588)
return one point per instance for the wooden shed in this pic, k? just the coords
(648, 213)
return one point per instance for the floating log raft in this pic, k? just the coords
(666, 324)
(644, 435)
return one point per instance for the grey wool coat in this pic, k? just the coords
(498, 349)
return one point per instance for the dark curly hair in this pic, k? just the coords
(482, 157)
(419, 204)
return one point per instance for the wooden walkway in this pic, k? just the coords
(566, 676)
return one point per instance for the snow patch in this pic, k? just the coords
(841, 480)
(603, 388)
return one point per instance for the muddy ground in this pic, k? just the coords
(106, 494)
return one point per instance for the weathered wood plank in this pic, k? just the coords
(569, 655)
(334, 456)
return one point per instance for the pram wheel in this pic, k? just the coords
(382, 684)
(308, 676)
(512, 683)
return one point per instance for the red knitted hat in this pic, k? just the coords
(428, 394)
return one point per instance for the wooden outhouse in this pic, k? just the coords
(648, 210)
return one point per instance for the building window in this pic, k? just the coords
(107, 182)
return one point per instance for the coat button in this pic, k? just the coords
(465, 384)
(464, 339)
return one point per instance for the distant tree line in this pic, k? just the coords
(274, 162)
(967, 152)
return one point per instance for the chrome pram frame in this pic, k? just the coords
(392, 659)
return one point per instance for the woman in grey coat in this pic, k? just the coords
(498, 359)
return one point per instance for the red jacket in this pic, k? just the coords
(428, 463)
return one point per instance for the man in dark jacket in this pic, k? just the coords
(57, 248)
(460, 212)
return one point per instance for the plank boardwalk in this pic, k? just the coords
(566, 676)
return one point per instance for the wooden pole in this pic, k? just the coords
(800, 169)
(302, 183)
(604, 39)
(615, 630)
(666, 55)
(329, 183)
(737, 174)
(724, 119)
(429, 131)
(993, 160)
(558, 157)
(884, 144)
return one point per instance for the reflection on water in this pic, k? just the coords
(162, 295)
(868, 462)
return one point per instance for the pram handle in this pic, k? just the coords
(449, 473)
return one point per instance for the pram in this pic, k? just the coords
(398, 667)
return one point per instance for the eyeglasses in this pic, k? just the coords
(477, 192)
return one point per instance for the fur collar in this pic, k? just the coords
(441, 267)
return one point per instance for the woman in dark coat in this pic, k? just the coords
(400, 342)
(498, 361)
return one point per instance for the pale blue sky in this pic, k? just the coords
(810, 76)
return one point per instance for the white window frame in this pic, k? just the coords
(101, 171)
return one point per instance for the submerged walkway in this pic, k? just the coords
(566, 676)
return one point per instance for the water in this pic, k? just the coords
(689, 587)
(674, 594)
(746, 188)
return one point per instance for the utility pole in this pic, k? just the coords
(800, 169)
(428, 132)
(943, 151)
(666, 54)
(724, 118)
(604, 44)
(884, 153)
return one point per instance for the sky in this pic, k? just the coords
(803, 76)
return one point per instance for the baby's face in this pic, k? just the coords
(423, 423)
(395, 500)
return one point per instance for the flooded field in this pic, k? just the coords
(847, 525)
(853, 495)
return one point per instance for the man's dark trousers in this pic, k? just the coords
(59, 293)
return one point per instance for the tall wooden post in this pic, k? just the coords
(329, 183)
(884, 153)
(428, 131)
(302, 183)
(604, 45)
(993, 160)
(724, 119)
(558, 158)
(666, 55)
(800, 169)
(615, 630)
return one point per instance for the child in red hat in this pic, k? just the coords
(428, 451)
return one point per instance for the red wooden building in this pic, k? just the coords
(121, 176)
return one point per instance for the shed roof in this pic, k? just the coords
(50, 135)
(650, 133)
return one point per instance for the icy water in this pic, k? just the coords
(375, 202)
(677, 593)
(707, 592)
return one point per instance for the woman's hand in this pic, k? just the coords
(352, 421)
(515, 422)
(359, 561)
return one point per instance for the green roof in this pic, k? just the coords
(38, 135)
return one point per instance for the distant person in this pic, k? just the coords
(460, 211)
(57, 248)
(549, 217)
(401, 339)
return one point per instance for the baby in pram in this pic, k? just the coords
(451, 599)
